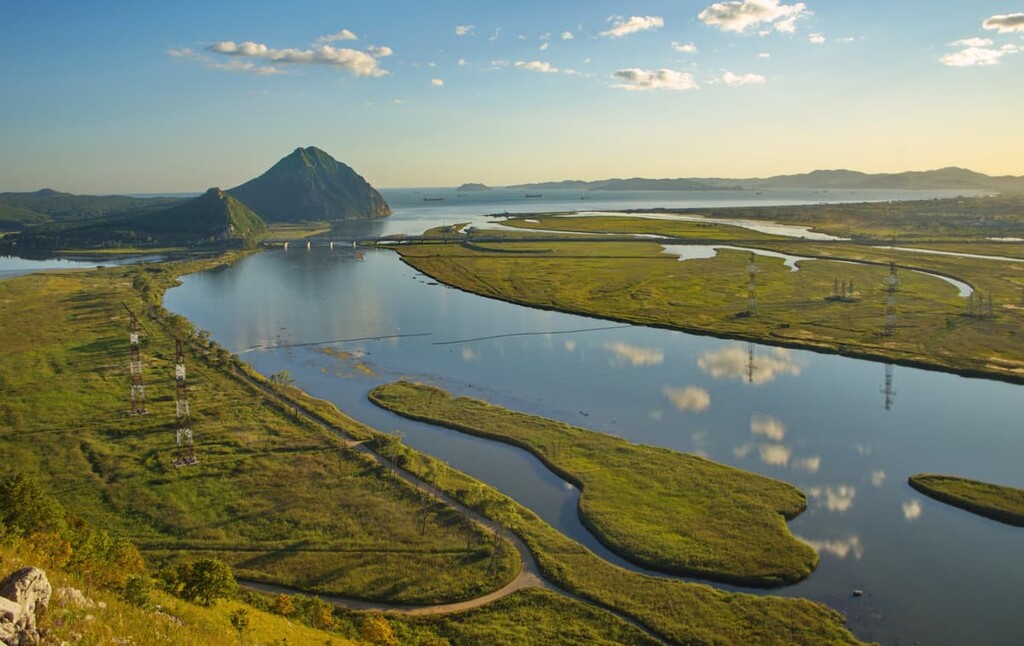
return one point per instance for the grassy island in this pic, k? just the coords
(997, 502)
(273, 495)
(665, 510)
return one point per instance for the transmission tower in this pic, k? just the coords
(752, 286)
(892, 283)
(138, 404)
(186, 452)
(888, 391)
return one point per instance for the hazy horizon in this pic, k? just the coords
(136, 98)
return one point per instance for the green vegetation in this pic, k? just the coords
(25, 209)
(662, 509)
(630, 225)
(275, 497)
(997, 502)
(636, 282)
(214, 219)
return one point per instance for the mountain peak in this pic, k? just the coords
(309, 184)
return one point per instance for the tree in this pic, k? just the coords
(240, 622)
(375, 629)
(206, 580)
(25, 509)
(283, 605)
(282, 378)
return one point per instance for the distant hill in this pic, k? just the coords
(945, 178)
(473, 187)
(214, 219)
(309, 184)
(18, 210)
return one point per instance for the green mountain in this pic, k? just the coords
(18, 210)
(309, 184)
(213, 219)
(473, 187)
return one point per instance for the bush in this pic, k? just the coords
(205, 580)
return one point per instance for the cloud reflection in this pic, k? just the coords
(838, 547)
(912, 510)
(775, 454)
(635, 355)
(732, 362)
(469, 354)
(570, 346)
(837, 499)
(878, 478)
(809, 464)
(767, 426)
(690, 398)
(743, 450)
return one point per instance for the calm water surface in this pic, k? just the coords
(930, 573)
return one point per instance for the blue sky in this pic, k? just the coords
(149, 97)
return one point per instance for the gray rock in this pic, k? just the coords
(10, 613)
(30, 591)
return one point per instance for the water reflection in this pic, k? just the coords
(840, 548)
(767, 426)
(912, 510)
(775, 454)
(732, 362)
(810, 464)
(877, 479)
(691, 398)
(836, 499)
(634, 355)
(887, 389)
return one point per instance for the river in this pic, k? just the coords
(929, 572)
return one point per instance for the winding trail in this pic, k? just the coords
(529, 576)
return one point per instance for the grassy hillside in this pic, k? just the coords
(1005, 504)
(212, 219)
(18, 210)
(276, 497)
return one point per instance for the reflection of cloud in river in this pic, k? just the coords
(775, 454)
(839, 548)
(635, 355)
(809, 464)
(838, 498)
(878, 478)
(570, 346)
(690, 398)
(743, 450)
(656, 415)
(912, 510)
(469, 354)
(732, 363)
(862, 449)
(767, 426)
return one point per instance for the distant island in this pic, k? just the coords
(944, 178)
(472, 187)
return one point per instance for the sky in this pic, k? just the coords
(147, 97)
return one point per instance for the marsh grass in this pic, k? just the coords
(1005, 504)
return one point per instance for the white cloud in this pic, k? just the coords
(735, 80)
(537, 66)
(775, 454)
(839, 548)
(462, 62)
(496, 35)
(768, 427)
(357, 62)
(877, 478)
(344, 34)
(544, 47)
(838, 499)
(809, 464)
(464, 30)
(971, 42)
(974, 56)
(663, 79)
(740, 16)
(846, 40)
(636, 355)
(437, 82)
(567, 35)
(731, 363)
(497, 65)
(764, 55)
(183, 52)
(817, 39)
(684, 48)
(690, 398)
(545, 36)
(246, 66)
(912, 510)
(624, 27)
(1005, 23)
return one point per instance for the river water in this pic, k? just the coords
(929, 572)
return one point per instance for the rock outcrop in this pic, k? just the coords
(22, 595)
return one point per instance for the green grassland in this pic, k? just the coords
(276, 497)
(621, 224)
(659, 508)
(637, 283)
(677, 611)
(1005, 504)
